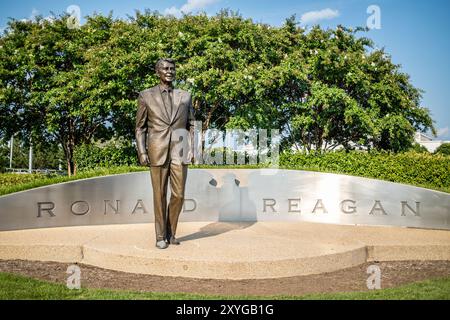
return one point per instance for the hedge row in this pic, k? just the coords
(10, 183)
(420, 169)
(410, 167)
(89, 156)
(416, 168)
(11, 179)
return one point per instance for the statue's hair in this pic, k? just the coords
(160, 61)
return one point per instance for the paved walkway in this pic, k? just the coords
(227, 250)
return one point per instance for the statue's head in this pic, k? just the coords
(165, 69)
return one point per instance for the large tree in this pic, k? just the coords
(42, 90)
(355, 95)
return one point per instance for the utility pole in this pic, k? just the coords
(30, 158)
(11, 145)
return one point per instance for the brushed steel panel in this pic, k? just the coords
(231, 195)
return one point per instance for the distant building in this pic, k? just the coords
(428, 142)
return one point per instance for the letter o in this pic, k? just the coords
(81, 206)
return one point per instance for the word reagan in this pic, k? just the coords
(346, 207)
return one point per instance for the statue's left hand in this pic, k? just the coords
(143, 159)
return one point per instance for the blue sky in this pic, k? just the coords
(415, 32)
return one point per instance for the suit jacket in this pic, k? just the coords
(160, 135)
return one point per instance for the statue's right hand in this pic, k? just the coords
(143, 159)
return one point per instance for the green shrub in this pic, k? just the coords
(10, 183)
(420, 169)
(443, 149)
(14, 179)
(110, 154)
(409, 167)
(419, 148)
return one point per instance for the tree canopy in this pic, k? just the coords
(320, 88)
(443, 149)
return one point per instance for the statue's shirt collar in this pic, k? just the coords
(165, 88)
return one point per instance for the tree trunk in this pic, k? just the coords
(70, 146)
(71, 165)
(70, 168)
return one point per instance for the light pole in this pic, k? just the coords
(30, 158)
(11, 144)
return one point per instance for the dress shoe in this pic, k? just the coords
(174, 241)
(162, 244)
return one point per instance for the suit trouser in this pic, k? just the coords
(166, 218)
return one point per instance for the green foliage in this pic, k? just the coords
(45, 155)
(321, 88)
(419, 169)
(20, 155)
(444, 149)
(8, 180)
(354, 95)
(418, 148)
(15, 287)
(10, 183)
(110, 154)
(4, 156)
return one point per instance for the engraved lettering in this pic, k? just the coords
(378, 207)
(320, 206)
(294, 206)
(348, 209)
(109, 205)
(269, 203)
(406, 205)
(80, 208)
(140, 206)
(194, 205)
(46, 207)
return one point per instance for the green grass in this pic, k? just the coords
(437, 289)
(14, 287)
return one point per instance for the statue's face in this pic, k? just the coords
(166, 72)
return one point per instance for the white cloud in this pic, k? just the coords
(50, 19)
(189, 6)
(174, 11)
(34, 14)
(315, 16)
(443, 132)
(196, 5)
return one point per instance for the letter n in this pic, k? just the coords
(406, 205)
(109, 204)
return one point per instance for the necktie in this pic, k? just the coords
(167, 96)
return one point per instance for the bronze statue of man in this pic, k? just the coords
(164, 123)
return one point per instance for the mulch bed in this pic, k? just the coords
(393, 274)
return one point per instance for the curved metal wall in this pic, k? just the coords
(231, 195)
